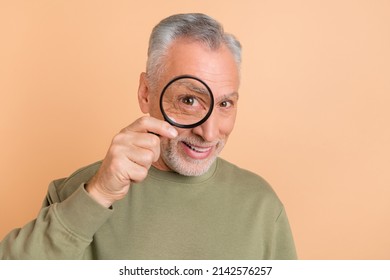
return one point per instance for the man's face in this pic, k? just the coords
(194, 150)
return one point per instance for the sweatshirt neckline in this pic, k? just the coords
(175, 177)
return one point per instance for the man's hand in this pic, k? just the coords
(128, 159)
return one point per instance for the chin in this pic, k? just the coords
(193, 169)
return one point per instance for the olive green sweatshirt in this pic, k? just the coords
(227, 213)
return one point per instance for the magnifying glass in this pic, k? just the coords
(186, 101)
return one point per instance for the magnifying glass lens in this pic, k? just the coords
(186, 102)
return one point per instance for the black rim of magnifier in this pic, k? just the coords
(187, 125)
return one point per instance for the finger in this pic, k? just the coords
(153, 125)
(141, 156)
(149, 143)
(135, 172)
(128, 142)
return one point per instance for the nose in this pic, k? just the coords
(209, 130)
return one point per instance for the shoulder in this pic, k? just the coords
(245, 182)
(233, 173)
(62, 188)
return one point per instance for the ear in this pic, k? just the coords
(143, 94)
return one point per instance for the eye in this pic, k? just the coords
(188, 100)
(226, 104)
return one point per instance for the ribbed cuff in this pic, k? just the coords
(81, 214)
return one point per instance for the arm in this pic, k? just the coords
(62, 230)
(75, 210)
(283, 247)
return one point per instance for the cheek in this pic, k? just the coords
(226, 124)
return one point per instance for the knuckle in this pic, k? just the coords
(156, 153)
(139, 175)
(118, 138)
(115, 150)
(144, 159)
(143, 172)
(154, 141)
(149, 156)
(143, 120)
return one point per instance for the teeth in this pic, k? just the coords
(197, 149)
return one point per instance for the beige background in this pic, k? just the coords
(313, 117)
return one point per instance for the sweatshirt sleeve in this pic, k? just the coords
(62, 229)
(283, 247)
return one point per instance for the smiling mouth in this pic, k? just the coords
(197, 148)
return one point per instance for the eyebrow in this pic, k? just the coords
(203, 90)
(228, 96)
(191, 86)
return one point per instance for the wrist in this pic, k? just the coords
(99, 196)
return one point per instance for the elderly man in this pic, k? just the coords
(161, 191)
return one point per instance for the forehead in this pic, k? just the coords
(217, 68)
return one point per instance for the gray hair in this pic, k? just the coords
(195, 26)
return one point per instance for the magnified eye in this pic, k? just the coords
(189, 100)
(186, 101)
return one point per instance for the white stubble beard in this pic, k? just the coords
(181, 163)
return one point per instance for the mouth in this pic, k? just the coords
(197, 148)
(196, 152)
